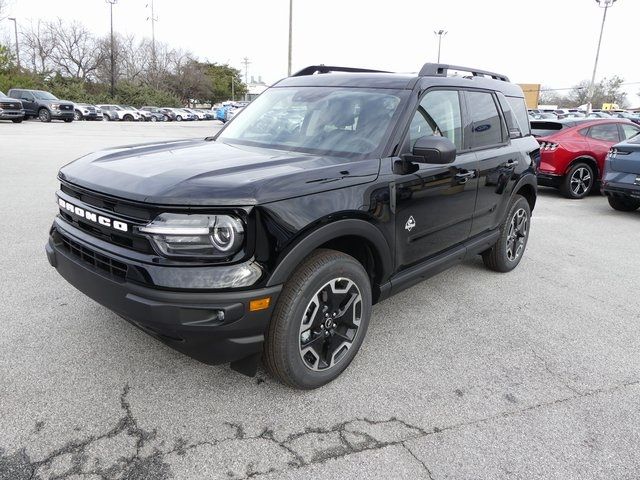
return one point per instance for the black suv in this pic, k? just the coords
(11, 109)
(333, 190)
(45, 106)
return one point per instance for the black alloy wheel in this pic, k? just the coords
(506, 253)
(319, 321)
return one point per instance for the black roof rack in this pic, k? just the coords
(441, 70)
(312, 69)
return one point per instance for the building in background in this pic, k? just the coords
(255, 88)
(531, 94)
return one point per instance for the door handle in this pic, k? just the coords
(465, 176)
(510, 164)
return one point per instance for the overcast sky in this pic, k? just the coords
(552, 42)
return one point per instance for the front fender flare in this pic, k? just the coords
(340, 228)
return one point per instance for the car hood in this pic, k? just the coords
(11, 100)
(201, 172)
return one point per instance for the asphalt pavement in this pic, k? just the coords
(468, 375)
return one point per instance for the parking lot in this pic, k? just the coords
(471, 374)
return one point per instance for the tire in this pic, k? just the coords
(17, 120)
(578, 181)
(623, 204)
(326, 280)
(128, 118)
(154, 119)
(178, 118)
(44, 115)
(506, 253)
(68, 120)
(77, 115)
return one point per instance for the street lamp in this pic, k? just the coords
(605, 4)
(290, 36)
(113, 62)
(440, 34)
(15, 29)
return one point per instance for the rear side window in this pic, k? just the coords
(606, 133)
(512, 123)
(629, 131)
(519, 109)
(486, 122)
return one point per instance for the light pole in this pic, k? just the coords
(15, 29)
(440, 34)
(113, 61)
(290, 36)
(602, 4)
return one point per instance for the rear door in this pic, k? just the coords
(28, 101)
(601, 138)
(497, 157)
(434, 203)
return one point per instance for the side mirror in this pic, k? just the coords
(434, 149)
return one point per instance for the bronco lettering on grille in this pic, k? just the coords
(92, 216)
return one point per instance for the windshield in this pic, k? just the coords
(339, 121)
(2, 95)
(44, 95)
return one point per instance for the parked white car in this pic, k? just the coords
(117, 112)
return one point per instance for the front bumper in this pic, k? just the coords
(64, 114)
(11, 114)
(187, 321)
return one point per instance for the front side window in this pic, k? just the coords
(606, 133)
(438, 114)
(324, 120)
(486, 122)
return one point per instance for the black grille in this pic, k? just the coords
(66, 107)
(9, 105)
(93, 258)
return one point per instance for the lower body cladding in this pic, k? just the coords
(212, 327)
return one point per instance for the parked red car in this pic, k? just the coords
(572, 152)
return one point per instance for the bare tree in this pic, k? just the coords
(4, 9)
(37, 46)
(75, 52)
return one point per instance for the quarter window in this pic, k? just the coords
(606, 133)
(486, 122)
(438, 114)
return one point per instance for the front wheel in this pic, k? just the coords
(154, 119)
(624, 204)
(17, 120)
(320, 320)
(578, 182)
(128, 118)
(77, 116)
(44, 115)
(506, 253)
(68, 120)
(178, 118)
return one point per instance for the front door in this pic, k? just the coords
(435, 203)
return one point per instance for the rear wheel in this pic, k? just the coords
(77, 116)
(320, 320)
(506, 253)
(68, 120)
(624, 204)
(44, 115)
(154, 119)
(17, 120)
(578, 182)
(128, 118)
(178, 118)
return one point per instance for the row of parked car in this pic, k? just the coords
(563, 113)
(21, 104)
(582, 155)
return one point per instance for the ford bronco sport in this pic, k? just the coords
(335, 189)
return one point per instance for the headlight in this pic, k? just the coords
(55, 106)
(204, 236)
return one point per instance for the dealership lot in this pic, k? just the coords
(471, 374)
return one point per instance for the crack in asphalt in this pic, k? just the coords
(553, 373)
(349, 437)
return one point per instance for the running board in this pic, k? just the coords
(434, 265)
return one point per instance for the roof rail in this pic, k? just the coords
(441, 70)
(310, 70)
